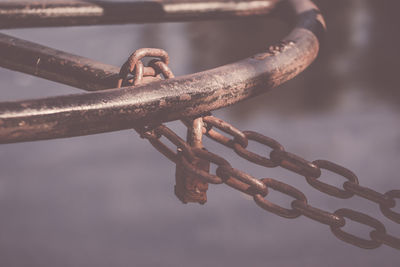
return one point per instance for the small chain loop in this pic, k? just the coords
(160, 146)
(176, 140)
(244, 182)
(139, 72)
(386, 239)
(132, 63)
(239, 137)
(204, 154)
(295, 163)
(329, 189)
(369, 194)
(363, 219)
(283, 188)
(253, 157)
(162, 67)
(386, 210)
(318, 214)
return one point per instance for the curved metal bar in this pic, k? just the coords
(23, 14)
(194, 94)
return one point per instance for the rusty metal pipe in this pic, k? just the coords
(23, 14)
(56, 65)
(190, 95)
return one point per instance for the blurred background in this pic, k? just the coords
(107, 199)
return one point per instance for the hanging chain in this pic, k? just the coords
(193, 162)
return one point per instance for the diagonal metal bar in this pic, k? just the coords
(194, 94)
(45, 62)
(20, 14)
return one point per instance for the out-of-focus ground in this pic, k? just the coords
(107, 199)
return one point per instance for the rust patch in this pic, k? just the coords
(188, 187)
(184, 97)
(162, 103)
(276, 49)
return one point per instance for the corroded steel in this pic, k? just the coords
(18, 14)
(363, 219)
(387, 209)
(193, 169)
(162, 101)
(150, 101)
(134, 63)
(242, 181)
(318, 214)
(193, 175)
(55, 65)
(190, 188)
(283, 188)
(225, 127)
(206, 176)
(295, 163)
(253, 157)
(329, 189)
(259, 188)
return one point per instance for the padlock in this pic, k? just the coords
(188, 187)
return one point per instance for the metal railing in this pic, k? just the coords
(111, 110)
(142, 100)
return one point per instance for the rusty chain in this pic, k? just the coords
(193, 165)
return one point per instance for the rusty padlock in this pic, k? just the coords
(189, 188)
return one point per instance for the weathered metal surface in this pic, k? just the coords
(18, 14)
(193, 95)
(190, 95)
(55, 65)
(189, 188)
(259, 188)
(134, 63)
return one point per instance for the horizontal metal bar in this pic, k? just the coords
(81, 72)
(19, 14)
(194, 94)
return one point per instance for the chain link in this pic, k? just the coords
(242, 181)
(329, 189)
(363, 219)
(386, 210)
(318, 215)
(285, 189)
(253, 157)
(133, 72)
